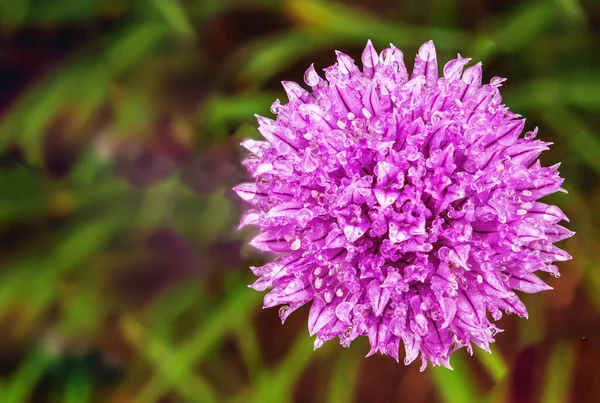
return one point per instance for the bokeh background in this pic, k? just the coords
(122, 275)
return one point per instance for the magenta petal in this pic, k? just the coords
(454, 68)
(296, 291)
(249, 192)
(370, 59)
(378, 297)
(528, 283)
(274, 240)
(319, 316)
(547, 213)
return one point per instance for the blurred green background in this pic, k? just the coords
(122, 275)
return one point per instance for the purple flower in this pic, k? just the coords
(404, 208)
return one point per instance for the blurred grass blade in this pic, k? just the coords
(247, 341)
(27, 376)
(235, 310)
(132, 45)
(218, 111)
(344, 374)
(158, 204)
(455, 386)
(32, 113)
(168, 363)
(519, 29)
(65, 11)
(276, 385)
(268, 57)
(558, 373)
(175, 15)
(79, 388)
(335, 22)
(573, 9)
(175, 302)
(494, 363)
(13, 13)
(22, 194)
(443, 13)
(217, 216)
(84, 240)
(580, 138)
(581, 90)
(78, 82)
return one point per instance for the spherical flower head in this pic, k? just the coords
(403, 208)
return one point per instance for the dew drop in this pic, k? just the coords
(276, 107)
(311, 77)
(295, 245)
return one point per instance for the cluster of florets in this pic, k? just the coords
(404, 208)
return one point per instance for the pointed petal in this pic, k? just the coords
(276, 135)
(249, 192)
(294, 91)
(546, 212)
(319, 316)
(273, 240)
(426, 64)
(345, 63)
(412, 344)
(378, 297)
(295, 292)
(528, 283)
(312, 78)
(370, 59)
(454, 68)
(250, 217)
